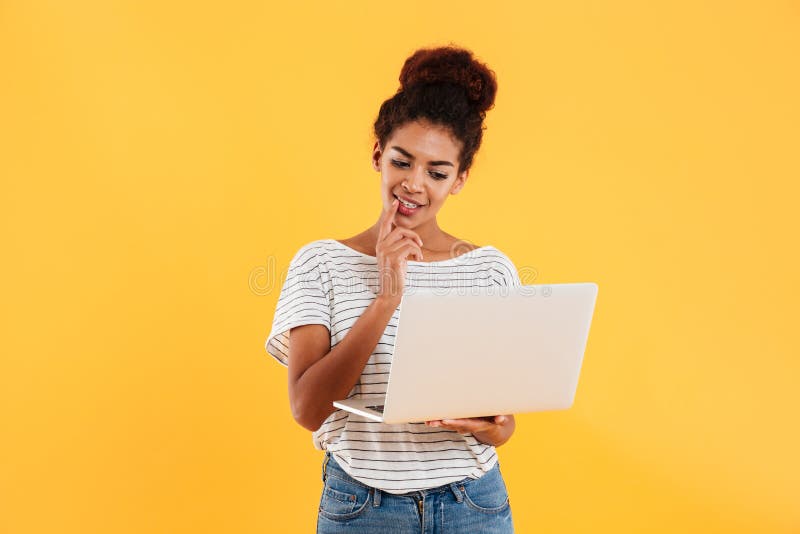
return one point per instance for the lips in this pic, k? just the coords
(410, 201)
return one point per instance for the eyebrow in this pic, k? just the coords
(408, 155)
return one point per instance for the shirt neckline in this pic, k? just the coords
(339, 243)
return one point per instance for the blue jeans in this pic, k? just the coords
(469, 505)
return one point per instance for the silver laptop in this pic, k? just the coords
(473, 352)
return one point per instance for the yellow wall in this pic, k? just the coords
(162, 161)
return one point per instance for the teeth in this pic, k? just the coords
(407, 204)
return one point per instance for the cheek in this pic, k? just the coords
(392, 180)
(439, 196)
(387, 179)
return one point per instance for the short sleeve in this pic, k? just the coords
(505, 273)
(302, 301)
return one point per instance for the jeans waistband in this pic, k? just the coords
(331, 467)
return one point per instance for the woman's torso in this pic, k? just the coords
(404, 457)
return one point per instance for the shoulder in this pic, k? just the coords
(503, 268)
(488, 251)
(501, 256)
(310, 257)
(311, 249)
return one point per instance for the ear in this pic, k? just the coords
(376, 156)
(459, 182)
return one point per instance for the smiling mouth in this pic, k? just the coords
(408, 205)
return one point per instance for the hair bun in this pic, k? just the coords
(449, 64)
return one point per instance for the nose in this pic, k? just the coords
(414, 180)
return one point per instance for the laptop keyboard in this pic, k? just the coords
(376, 408)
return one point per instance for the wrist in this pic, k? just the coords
(388, 301)
(493, 436)
(498, 434)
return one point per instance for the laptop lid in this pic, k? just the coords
(470, 352)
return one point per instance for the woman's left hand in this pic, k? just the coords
(494, 430)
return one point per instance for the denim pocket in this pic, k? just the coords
(342, 499)
(487, 494)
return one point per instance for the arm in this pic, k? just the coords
(498, 433)
(319, 375)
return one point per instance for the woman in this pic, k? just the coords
(338, 309)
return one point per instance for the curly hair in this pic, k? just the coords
(448, 87)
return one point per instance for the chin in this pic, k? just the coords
(399, 220)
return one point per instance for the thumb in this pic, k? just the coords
(500, 419)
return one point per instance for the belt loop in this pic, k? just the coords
(325, 465)
(459, 496)
(376, 497)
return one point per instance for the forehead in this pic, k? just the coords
(425, 141)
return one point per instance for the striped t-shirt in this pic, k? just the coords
(331, 284)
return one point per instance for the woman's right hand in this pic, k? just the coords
(394, 246)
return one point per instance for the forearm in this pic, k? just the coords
(333, 376)
(498, 434)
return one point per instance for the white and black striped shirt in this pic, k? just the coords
(331, 284)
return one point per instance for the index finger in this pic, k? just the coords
(388, 218)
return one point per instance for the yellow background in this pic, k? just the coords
(161, 162)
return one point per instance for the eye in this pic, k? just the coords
(405, 165)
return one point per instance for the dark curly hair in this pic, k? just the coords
(448, 87)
